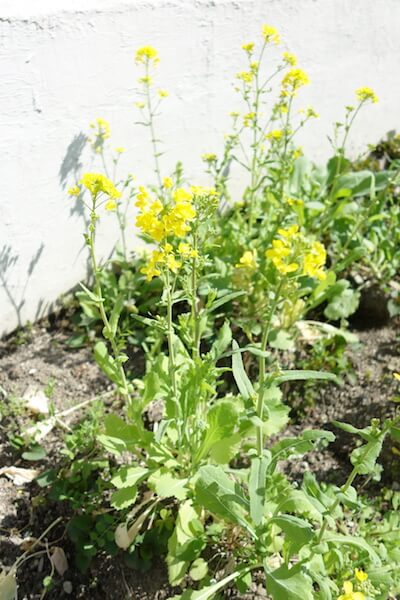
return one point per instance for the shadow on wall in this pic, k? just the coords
(8, 260)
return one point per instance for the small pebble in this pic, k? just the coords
(67, 587)
(32, 371)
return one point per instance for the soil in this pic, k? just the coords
(39, 358)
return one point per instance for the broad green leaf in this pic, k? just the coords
(222, 419)
(224, 450)
(298, 532)
(242, 381)
(275, 412)
(288, 584)
(129, 476)
(351, 540)
(185, 543)
(257, 477)
(124, 497)
(296, 501)
(221, 495)
(207, 593)
(365, 457)
(281, 339)
(168, 486)
(8, 586)
(199, 569)
(120, 437)
(343, 303)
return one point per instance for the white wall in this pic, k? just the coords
(65, 62)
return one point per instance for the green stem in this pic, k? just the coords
(261, 371)
(98, 292)
(153, 135)
(171, 351)
(194, 308)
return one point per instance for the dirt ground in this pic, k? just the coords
(40, 359)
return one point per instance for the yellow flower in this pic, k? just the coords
(234, 114)
(143, 197)
(366, 93)
(349, 594)
(270, 34)
(120, 149)
(162, 93)
(146, 54)
(110, 205)
(199, 190)
(297, 153)
(275, 134)
(209, 157)
(248, 260)
(187, 251)
(360, 575)
(97, 183)
(290, 59)
(140, 105)
(146, 80)
(290, 232)
(182, 195)
(278, 253)
(254, 65)
(167, 183)
(314, 261)
(295, 202)
(294, 79)
(248, 118)
(249, 47)
(396, 376)
(74, 191)
(246, 76)
(102, 126)
(172, 264)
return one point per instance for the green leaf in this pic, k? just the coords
(343, 303)
(223, 300)
(297, 501)
(306, 441)
(300, 375)
(120, 437)
(298, 532)
(106, 362)
(350, 540)
(222, 419)
(124, 497)
(257, 477)
(199, 569)
(223, 340)
(91, 295)
(242, 381)
(221, 495)
(207, 593)
(168, 486)
(281, 339)
(365, 457)
(275, 412)
(129, 476)
(288, 584)
(116, 313)
(185, 544)
(35, 452)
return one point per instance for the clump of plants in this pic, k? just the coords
(225, 281)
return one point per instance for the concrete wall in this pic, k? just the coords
(65, 62)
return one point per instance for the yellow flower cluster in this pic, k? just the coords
(293, 253)
(349, 594)
(158, 221)
(275, 134)
(360, 575)
(74, 191)
(209, 157)
(146, 54)
(270, 34)
(293, 80)
(248, 47)
(167, 183)
(166, 258)
(246, 76)
(102, 128)
(290, 59)
(248, 260)
(364, 94)
(163, 93)
(146, 80)
(97, 183)
(248, 119)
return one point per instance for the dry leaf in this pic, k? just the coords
(39, 431)
(121, 536)
(8, 586)
(36, 401)
(19, 475)
(59, 560)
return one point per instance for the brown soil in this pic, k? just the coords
(41, 357)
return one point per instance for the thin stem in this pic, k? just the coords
(194, 308)
(151, 124)
(261, 370)
(100, 304)
(171, 351)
